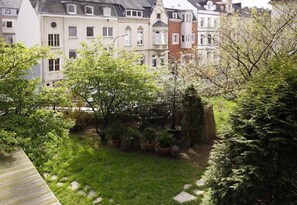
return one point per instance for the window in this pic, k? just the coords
(140, 36)
(128, 36)
(163, 38)
(193, 38)
(108, 31)
(89, 10)
(158, 16)
(54, 40)
(183, 38)
(201, 39)
(157, 38)
(53, 24)
(7, 11)
(72, 31)
(175, 38)
(71, 8)
(90, 31)
(174, 16)
(54, 64)
(188, 17)
(215, 23)
(162, 59)
(202, 22)
(8, 39)
(134, 13)
(72, 54)
(7, 24)
(154, 61)
(209, 22)
(209, 39)
(106, 11)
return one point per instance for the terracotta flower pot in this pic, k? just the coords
(116, 143)
(148, 146)
(163, 151)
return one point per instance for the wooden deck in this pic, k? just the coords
(21, 184)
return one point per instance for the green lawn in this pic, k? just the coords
(127, 178)
(222, 109)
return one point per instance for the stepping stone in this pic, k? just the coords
(111, 201)
(184, 197)
(64, 179)
(187, 186)
(45, 175)
(97, 201)
(54, 178)
(184, 156)
(191, 151)
(74, 185)
(87, 188)
(92, 194)
(59, 184)
(200, 182)
(198, 192)
(82, 193)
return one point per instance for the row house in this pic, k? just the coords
(182, 27)
(63, 24)
(8, 16)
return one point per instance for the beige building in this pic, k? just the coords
(8, 15)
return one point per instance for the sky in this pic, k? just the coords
(251, 3)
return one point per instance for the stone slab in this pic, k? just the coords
(187, 186)
(184, 197)
(200, 182)
(74, 185)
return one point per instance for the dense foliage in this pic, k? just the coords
(109, 81)
(255, 162)
(193, 114)
(23, 118)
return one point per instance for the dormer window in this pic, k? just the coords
(133, 13)
(106, 11)
(174, 15)
(89, 10)
(158, 16)
(71, 8)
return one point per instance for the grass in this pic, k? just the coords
(127, 178)
(222, 109)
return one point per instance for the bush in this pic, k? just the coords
(255, 162)
(193, 116)
(133, 134)
(149, 134)
(115, 130)
(164, 139)
(8, 143)
(82, 119)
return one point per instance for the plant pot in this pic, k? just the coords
(135, 145)
(163, 151)
(148, 146)
(116, 143)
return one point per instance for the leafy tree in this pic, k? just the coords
(109, 81)
(255, 162)
(193, 114)
(247, 41)
(23, 119)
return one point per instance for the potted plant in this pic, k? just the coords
(134, 138)
(115, 132)
(149, 135)
(164, 140)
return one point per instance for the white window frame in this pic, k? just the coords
(92, 31)
(128, 36)
(8, 39)
(138, 14)
(53, 40)
(174, 15)
(106, 11)
(7, 11)
(157, 36)
(73, 51)
(193, 38)
(209, 24)
(175, 38)
(140, 36)
(108, 34)
(54, 63)
(183, 39)
(4, 24)
(75, 30)
(92, 10)
(154, 61)
(68, 7)
(202, 22)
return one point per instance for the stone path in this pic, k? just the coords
(86, 191)
(184, 196)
